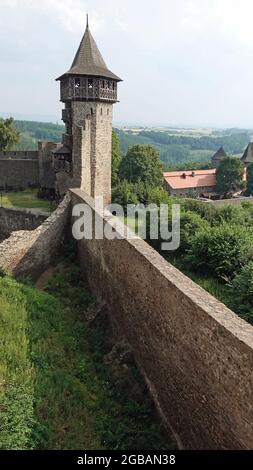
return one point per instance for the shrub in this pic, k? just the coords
(190, 223)
(221, 250)
(232, 214)
(204, 209)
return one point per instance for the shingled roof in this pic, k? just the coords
(190, 179)
(89, 61)
(248, 154)
(220, 154)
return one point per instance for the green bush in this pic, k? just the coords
(231, 214)
(190, 224)
(204, 209)
(242, 292)
(221, 250)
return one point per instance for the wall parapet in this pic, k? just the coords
(195, 353)
(29, 253)
(12, 220)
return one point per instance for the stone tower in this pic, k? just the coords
(89, 90)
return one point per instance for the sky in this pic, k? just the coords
(183, 62)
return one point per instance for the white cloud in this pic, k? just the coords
(192, 55)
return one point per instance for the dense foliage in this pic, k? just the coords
(229, 175)
(116, 158)
(249, 178)
(142, 163)
(216, 250)
(9, 134)
(31, 132)
(181, 147)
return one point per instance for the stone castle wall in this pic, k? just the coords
(12, 220)
(19, 154)
(29, 253)
(236, 201)
(23, 169)
(196, 354)
(92, 147)
(17, 174)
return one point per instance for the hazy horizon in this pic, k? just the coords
(55, 120)
(184, 64)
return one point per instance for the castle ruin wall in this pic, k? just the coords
(12, 220)
(29, 253)
(196, 354)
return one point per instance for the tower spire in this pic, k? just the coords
(87, 21)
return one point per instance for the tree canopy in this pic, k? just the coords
(230, 174)
(249, 187)
(9, 135)
(142, 163)
(116, 158)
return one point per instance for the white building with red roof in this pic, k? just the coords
(191, 183)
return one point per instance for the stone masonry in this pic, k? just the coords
(195, 353)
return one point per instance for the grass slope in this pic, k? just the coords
(55, 390)
(24, 200)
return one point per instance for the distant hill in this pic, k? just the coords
(32, 131)
(177, 147)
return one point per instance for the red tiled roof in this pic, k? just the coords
(190, 179)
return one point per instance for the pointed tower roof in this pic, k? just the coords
(220, 154)
(88, 59)
(248, 154)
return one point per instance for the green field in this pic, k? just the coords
(24, 200)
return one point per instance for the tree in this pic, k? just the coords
(116, 158)
(9, 135)
(249, 187)
(124, 193)
(229, 175)
(142, 163)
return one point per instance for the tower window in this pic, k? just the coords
(108, 111)
(101, 111)
(91, 111)
(103, 84)
(77, 82)
(90, 83)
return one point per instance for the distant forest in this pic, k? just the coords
(32, 131)
(176, 147)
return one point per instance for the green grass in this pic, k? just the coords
(55, 390)
(24, 200)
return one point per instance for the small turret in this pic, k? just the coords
(88, 78)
